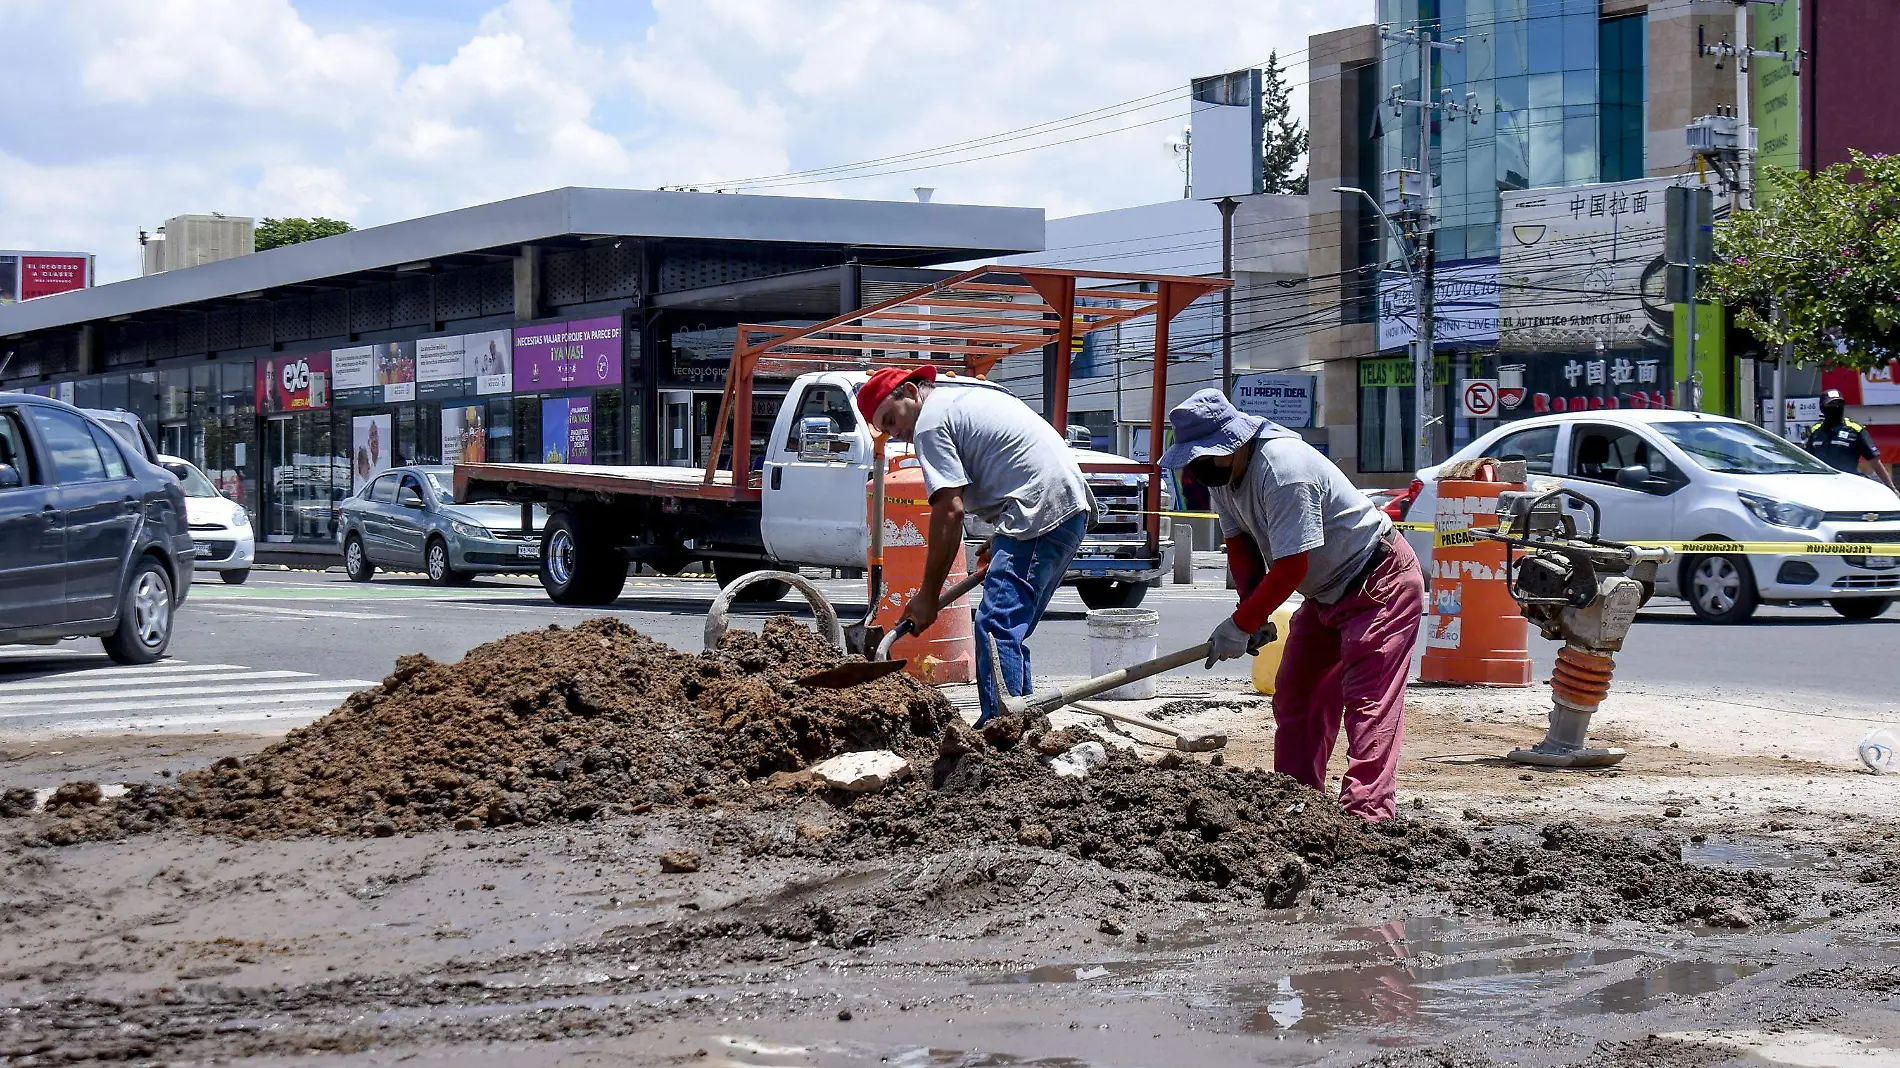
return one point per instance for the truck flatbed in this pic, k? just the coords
(516, 481)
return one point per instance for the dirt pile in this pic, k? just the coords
(1261, 836)
(544, 725)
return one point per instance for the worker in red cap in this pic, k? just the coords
(986, 453)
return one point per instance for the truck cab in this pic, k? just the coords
(818, 460)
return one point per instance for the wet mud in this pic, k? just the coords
(578, 844)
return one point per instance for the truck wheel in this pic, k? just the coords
(145, 616)
(575, 569)
(726, 571)
(1111, 593)
(1721, 589)
(1860, 607)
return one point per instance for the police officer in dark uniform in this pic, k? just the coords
(1842, 443)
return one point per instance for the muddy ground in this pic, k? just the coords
(1727, 895)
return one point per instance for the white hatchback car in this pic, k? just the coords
(1683, 476)
(220, 526)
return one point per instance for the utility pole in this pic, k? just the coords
(1424, 371)
(1227, 206)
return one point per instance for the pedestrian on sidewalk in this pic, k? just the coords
(986, 453)
(1349, 648)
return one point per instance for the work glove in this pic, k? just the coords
(1228, 642)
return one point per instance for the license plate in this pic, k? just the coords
(1881, 562)
(531, 552)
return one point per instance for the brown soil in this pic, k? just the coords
(544, 725)
(571, 725)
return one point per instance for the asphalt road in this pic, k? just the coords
(289, 645)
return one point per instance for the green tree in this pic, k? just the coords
(1818, 264)
(274, 232)
(1284, 146)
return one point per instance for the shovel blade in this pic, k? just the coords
(854, 673)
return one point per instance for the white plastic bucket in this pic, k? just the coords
(1122, 637)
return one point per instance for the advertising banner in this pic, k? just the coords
(1464, 305)
(369, 448)
(384, 373)
(1285, 399)
(1878, 386)
(567, 430)
(464, 435)
(441, 368)
(1775, 97)
(293, 383)
(1582, 267)
(1540, 385)
(488, 361)
(43, 276)
(1797, 415)
(573, 355)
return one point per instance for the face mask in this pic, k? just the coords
(1208, 471)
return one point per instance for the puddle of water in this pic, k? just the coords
(1403, 940)
(1078, 973)
(1498, 986)
(1739, 853)
(1657, 986)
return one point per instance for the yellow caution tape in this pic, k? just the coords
(1454, 538)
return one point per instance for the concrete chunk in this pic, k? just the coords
(862, 773)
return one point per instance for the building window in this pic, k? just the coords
(1623, 47)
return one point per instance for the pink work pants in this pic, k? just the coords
(1346, 664)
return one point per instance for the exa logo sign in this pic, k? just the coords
(296, 377)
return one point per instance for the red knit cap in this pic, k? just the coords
(886, 381)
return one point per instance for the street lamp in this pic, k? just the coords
(1422, 368)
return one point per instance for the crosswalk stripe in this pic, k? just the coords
(275, 719)
(335, 693)
(27, 652)
(196, 675)
(302, 613)
(148, 696)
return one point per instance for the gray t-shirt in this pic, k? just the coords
(1015, 470)
(1293, 500)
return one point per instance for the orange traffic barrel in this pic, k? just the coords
(1475, 634)
(945, 653)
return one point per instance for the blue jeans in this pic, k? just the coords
(1023, 577)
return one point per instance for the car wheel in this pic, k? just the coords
(728, 571)
(145, 616)
(235, 576)
(436, 563)
(576, 568)
(1111, 593)
(1861, 607)
(356, 561)
(1721, 589)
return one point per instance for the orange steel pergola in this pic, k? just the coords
(967, 324)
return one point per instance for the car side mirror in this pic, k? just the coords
(10, 477)
(409, 498)
(1635, 477)
(818, 440)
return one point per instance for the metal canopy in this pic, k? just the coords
(967, 323)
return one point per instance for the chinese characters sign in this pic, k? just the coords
(1581, 268)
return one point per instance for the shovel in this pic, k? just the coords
(1185, 742)
(1049, 700)
(858, 672)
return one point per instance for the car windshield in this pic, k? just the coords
(1739, 449)
(443, 482)
(194, 480)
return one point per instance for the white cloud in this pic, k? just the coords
(147, 108)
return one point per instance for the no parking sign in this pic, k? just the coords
(1479, 398)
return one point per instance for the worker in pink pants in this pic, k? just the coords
(1349, 649)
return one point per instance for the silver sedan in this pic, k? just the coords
(406, 519)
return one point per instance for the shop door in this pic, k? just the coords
(676, 429)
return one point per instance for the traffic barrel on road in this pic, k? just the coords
(946, 653)
(1474, 632)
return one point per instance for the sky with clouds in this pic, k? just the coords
(121, 113)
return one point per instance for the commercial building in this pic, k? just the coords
(575, 324)
(190, 240)
(1547, 200)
